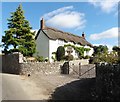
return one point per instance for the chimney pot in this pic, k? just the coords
(83, 35)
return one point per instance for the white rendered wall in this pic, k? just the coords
(89, 53)
(53, 45)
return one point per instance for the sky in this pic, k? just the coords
(98, 20)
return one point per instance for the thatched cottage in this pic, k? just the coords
(49, 39)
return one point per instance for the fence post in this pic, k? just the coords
(79, 69)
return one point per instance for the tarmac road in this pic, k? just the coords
(16, 87)
(12, 88)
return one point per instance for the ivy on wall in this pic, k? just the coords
(80, 50)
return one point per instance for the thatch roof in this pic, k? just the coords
(55, 34)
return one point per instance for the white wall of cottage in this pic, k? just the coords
(54, 44)
(52, 48)
(89, 53)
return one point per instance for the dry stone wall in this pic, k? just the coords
(10, 63)
(40, 68)
(15, 63)
(108, 81)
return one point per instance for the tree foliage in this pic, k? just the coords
(18, 37)
(101, 54)
(100, 49)
(111, 58)
(116, 48)
(60, 53)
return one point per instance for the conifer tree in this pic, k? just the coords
(19, 34)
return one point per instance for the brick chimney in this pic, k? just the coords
(83, 35)
(42, 24)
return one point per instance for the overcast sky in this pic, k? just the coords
(99, 20)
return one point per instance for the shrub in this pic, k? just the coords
(54, 58)
(86, 57)
(106, 57)
(46, 59)
(68, 57)
(60, 53)
(40, 58)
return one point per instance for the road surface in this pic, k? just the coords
(15, 87)
(45, 87)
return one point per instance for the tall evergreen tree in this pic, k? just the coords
(19, 34)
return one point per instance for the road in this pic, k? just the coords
(12, 88)
(15, 87)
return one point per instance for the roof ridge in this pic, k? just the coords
(62, 31)
(53, 33)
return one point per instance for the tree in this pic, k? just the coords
(100, 49)
(116, 48)
(111, 58)
(60, 53)
(19, 35)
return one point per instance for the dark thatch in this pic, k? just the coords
(55, 34)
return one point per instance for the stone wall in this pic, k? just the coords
(40, 68)
(14, 63)
(49, 68)
(108, 81)
(82, 61)
(10, 63)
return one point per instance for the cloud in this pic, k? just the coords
(55, 12)
(106, 6)
(65, 17)
(110, 33)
